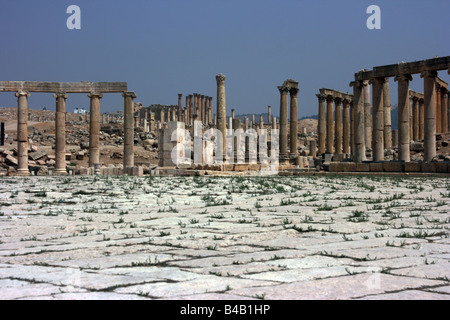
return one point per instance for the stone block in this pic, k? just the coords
(10, 160)
(336, 167)
(348, 167)
(376, 167)
(240, 167)
(440, 167)
(84, 171)
(338, 157)
(393, 166)
(412, 167)
(254, 167)
(362, 167)
(327, 157)
(137, 171)
(38, 155)
(228, 167)
(68, 157)
(427, 167)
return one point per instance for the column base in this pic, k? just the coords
(23, 172)
(60, 172)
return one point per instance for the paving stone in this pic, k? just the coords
(408, 295)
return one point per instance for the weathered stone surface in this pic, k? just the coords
(393, 166)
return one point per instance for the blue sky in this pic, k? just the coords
(165, 47)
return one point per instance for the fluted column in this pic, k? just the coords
(387, 114)
(378, 121)
(128, 148)
(221, 109)
(429, 87)
(60, 126)
(338, 125)
(94, 129)
(283, 123)
(22, 133)
(415, 119)
(367, 115)
(403, 117)
(330, 125)
(322, 130)
(359, 154)
(346, 127)
(293, 122)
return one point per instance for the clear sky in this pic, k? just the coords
(165, 47)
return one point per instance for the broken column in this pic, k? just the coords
(378, 121)
(322, 130)
(313, 148)
(94, 129)
(60, 126)
(294, 122)
(338, 125)
(221, 109)
(128, 145)
(430, 114)
(22, 133)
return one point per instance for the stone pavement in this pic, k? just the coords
(214, 238)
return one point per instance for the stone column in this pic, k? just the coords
(438, 109)
(210, 110)
(444, 109)
(60, 126)
(448, 110)
(395, 138)
(94, 129)
(261, 121)
(421, 118)
(128, 148)
(245, 124)
(202, 108)
(221, 109)
(338, 125)
(294, 122)
(403, 117)
(22, 133)
(387, 114)
(430, 114)
(367, 115)
(378, 121)
(313, 148)
(411, 120)
(330, 125)
(2, 134)
(322, 129)
(180, 105)
(352, 129)
(415, 118)
(283, 123)
(346, 127)
(274, 123)
(253, 120)
(136, 121)
(359, 136)
(269, 114)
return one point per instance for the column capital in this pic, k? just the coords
(379, 80)
(444, 90)
(294, 91)
(95, 95)
(321, 97)
(129, 94)
(22, 93)
(346, 102)
(283, 89)
(338, 100)
(180, 95)
(202, 96)
(403, 77)
(428, 74)
(330, 98)
(220, 78)
(414, 98)
(356, 84)
(60, 95)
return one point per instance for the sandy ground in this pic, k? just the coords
(224, 238)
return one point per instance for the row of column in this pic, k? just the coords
(198, 107)
(380, 87)
(442, 112)
(60, 125)
(334, 134)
